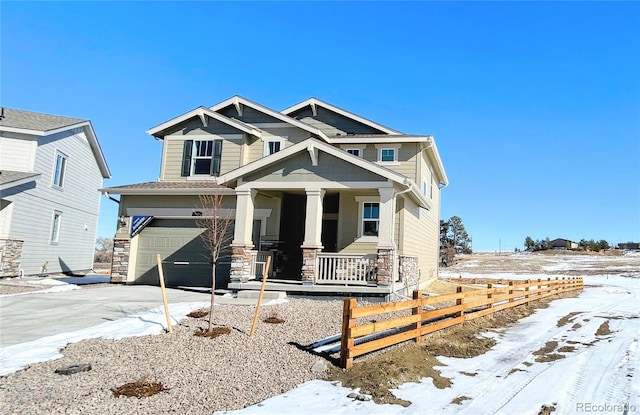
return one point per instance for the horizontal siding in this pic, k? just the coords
(17, 154)
(173, 152)
(420, 237)
(78, 200)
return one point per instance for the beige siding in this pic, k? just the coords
(419, 238)
(174, 148)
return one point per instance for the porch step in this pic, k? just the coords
(268, 295)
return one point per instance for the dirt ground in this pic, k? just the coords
(411, 362)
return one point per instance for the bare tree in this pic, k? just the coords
(103, 250)
(216, 235)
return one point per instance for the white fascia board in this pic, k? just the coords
(435, 155)
(42, 133)
(275, 114)
(345, 113)
(97, 151)
(381, 139)
(315, 185)
(169, 192)
(202, 111)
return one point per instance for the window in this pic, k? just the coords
(60, 168)
(355, 151)
(201, 157)
(273, 147)
(55, 227)
(388, 153)
(370, 218)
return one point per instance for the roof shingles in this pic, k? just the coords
(36, 121)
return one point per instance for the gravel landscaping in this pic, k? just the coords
(201, 375)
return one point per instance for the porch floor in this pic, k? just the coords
(293, 287)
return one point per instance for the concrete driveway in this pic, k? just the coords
(33, 315)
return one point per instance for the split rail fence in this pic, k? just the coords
(429, 314)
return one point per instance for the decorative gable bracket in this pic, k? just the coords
(313, 153)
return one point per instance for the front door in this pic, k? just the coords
(288, 259)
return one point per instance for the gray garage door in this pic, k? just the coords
(186, 262)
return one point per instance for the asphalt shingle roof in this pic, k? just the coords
(9, 176)
(34, 120)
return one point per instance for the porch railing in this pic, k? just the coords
(258, 261)
(346, 269)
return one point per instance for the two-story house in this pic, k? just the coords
(51, 168)
(341, 203)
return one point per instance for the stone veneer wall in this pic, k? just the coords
(11, 250)
(120, 261)
(410, 272)
(240, 263)
(385, 267)
(309, 264)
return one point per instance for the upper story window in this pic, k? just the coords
(60, 169)
(202, 157)
(355, 151)
(388, 153)
(55, 227)
(273, 145)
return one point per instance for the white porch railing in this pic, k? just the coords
(258, 261)
(346, 269)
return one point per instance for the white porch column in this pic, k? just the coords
(242, 244)
(387, 218)
(313, 220)
(244, 218)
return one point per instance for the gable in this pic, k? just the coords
(194, 126)
(299, 168)
(331, 123)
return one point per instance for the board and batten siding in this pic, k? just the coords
(78, 201)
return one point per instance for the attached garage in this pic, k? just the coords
(186, 262)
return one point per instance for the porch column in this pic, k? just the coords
(385, 235)
(242, 243)
(312, 243)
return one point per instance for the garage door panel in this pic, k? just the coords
(177, 241)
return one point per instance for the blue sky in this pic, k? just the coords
(535, 107)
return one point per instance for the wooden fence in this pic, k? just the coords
(434, 313)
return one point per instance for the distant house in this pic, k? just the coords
(629, 246)
(564, 244)
(341, 203)
(51, 168)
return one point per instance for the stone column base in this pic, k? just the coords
(240, 263)
(309, 264)
(385, 266)
(120, 260)
(11, 251)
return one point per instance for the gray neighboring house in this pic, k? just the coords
(51, 168)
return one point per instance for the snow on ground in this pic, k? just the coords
(594, 371)
(56, 286)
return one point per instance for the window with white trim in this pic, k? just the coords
(388, 153)
(201, 157)
(370, 218)
(59, 169)
(273, 145)
(355, 151)
(55, 227)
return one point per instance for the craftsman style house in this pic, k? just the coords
(51, 168)
(340, 203)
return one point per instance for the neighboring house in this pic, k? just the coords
(629, 246)
(51, 168)
(340, 203)
(564, 244)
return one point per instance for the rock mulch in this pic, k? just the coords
(199, 375)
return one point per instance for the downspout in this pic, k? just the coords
(395, 247)
(111, 197)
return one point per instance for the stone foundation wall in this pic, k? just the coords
(240, 263)
(410, 274)
(11, 251)
(120, 261)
